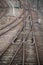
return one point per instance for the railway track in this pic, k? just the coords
(8, 34)
(8, 24)
(8, 37)
(5, 57)
(11, 52)
(23, 50)
(29, 51)
(13, 24)
(27, 54)
(10, 27)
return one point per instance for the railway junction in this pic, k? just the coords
(21, 32)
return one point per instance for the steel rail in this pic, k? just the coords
(12, 41)
(34, 35)
(15, 53)
(35, 40)
(4, 51)
(12, 22)
(23, 54)
(35, 43)
(36, 48)
(10, 28)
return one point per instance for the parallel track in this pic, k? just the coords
(23, 51)
(12, 25)
(29, 51)
(11, 22)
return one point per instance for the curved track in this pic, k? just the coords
(13, 24)
(12, 31)
(24, 49)
(9, 19)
